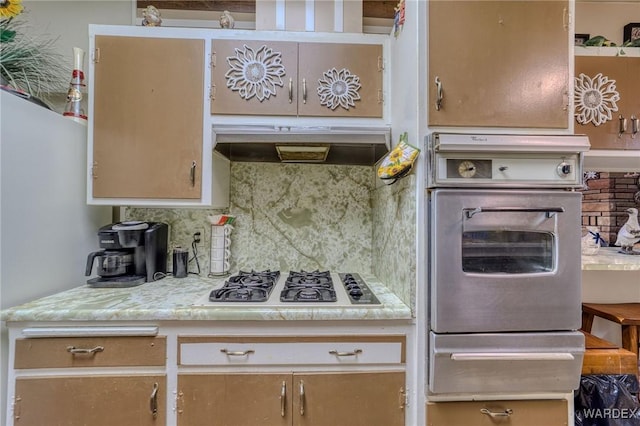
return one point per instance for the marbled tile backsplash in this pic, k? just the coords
(308, 216)
(394, 238)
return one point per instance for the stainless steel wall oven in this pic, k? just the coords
(504, 263)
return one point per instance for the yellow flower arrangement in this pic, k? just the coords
(10, 8)
(28, 64)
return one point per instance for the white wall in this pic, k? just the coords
(606, 18)
(68, 20)
(46, 228)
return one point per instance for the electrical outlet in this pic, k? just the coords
(198, 235)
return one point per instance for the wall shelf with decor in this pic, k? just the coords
(607, 51)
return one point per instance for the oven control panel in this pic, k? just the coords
(458, 169)
(505, 160)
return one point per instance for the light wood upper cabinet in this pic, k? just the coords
(271, 92)
(342, 80)
(296, 79)
(620, 74)
(499, 63)
(147, 123)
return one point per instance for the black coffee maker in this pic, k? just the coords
(133, 252)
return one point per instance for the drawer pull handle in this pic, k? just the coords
(73, 350)
(506, 413)
(512, 356)
(153, 401)
(283, 398)
(355, 352)
(237, 353)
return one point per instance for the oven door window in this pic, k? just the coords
(507, 252)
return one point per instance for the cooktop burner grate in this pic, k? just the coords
(302, 286)
(246, 287)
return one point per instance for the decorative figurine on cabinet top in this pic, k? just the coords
(629, 234)
(226, 20)
(151, 17)
(592, 241)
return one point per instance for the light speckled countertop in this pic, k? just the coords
(608, 259)
(173, 299)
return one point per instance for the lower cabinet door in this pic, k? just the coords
(291, 399)
(234, 399)
(349, 399)
(97, 400)
(491, 413)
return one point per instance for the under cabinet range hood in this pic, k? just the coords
(317, 144)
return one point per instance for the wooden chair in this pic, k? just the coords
(604, 357)
(625, 314)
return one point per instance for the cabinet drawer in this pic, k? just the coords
(287, 351)
(64, 352)
(489, 413)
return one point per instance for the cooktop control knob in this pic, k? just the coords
(564, 169)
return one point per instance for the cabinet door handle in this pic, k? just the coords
(634, 126)
(77, 351)
(623, 126)
(283, 397)
(439, 94)
(355, 352)
(290, 90)
(153, 401)
(304, 90)
(301, 398)
(237, 353)
(192, 174)
(380, 64)
(493, 414)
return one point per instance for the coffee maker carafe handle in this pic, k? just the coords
(90, 259)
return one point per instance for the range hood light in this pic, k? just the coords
(303, 153)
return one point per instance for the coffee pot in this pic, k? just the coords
(133, 252)
(111, 263)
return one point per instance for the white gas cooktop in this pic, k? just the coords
(343, 300)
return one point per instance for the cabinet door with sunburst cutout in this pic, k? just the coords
(254, 77)
(336, 79)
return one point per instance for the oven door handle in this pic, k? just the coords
(512, 356)
(550, 211)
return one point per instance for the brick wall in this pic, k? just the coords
(605, 199)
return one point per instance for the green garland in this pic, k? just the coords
(30, 64)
